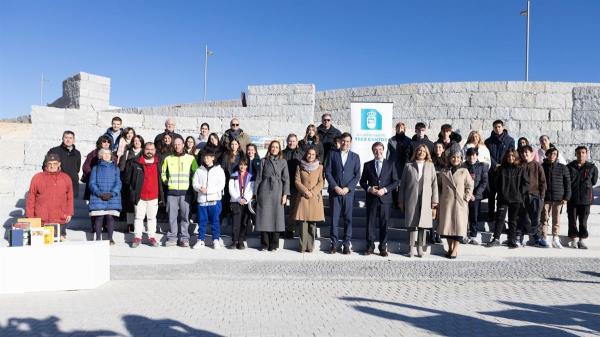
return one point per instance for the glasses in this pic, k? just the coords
(232, 124)
(327, 120)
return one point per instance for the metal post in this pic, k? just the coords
(527, 42)
(205, 69)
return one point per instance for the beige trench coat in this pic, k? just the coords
(309, 209)
(455, 192)
(415, 215)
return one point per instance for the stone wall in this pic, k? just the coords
(84, 90)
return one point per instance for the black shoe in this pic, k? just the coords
(240, 245)
(383, 252)
(464, 240)
(511, 244)
(370, 250)
(437, 238)
(346, 250)
(494, 243)
(332, 249)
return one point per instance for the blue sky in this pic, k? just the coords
(153, 50)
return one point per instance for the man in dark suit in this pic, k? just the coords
(379, 178)
(342, 174)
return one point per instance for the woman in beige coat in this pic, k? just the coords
(308, 203)
(456, 189)
(418, 197)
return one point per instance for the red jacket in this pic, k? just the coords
(50, 197)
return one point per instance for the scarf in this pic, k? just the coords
(309, 167)
(234, 134)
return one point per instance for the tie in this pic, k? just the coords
(378, 167)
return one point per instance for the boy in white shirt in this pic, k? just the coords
(209, 182)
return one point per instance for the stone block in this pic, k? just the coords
(462, 126)
(282, 129)
(132, 120)
(149, 134)
(561, 114)
(492, 86)
(80, 117)
(586, 120)
(578, 137)
(47, 115)
(278, 89)
(528, 114)
(553, 100)
(559, 87)
(477, 125)
(482, 99)
(520, 86)
(445, 99)
(499, 113)
(459, 87)
(87, 133)
(158, 122)
(48, 132)
(509, 99)
(474, 112)
(36, 149)
(13, 153)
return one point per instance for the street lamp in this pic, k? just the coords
(207, 53)
(527, 13)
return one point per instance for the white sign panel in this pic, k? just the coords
(371, 122)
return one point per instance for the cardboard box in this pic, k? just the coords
(33, 222)
(56, 230)
(37, 236)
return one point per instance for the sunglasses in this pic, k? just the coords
(235, 124)
(327, 120)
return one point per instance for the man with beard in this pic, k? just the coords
(146, 192)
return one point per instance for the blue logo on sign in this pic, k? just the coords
(370, 119)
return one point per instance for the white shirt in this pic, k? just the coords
(344, 155)
(420, 165)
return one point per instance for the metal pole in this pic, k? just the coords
(205, 69)
(527, 42)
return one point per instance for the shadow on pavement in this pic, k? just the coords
(585, 272)
(137, 326)
(578, 319)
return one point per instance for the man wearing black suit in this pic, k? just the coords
(342, 174)
(379, 178)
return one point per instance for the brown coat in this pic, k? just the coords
(455, 192)
(309, 209)
(418, 215)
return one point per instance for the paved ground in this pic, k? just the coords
(357, 296)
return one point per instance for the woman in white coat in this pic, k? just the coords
(241, 186)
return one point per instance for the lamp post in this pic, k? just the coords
(527, 13)
(207, 53)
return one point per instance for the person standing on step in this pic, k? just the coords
(203, 136)
(271, 188)
(70, 159)
(327, 135)
(50, 195)
(479, 174)
(241, 190)
(311, 139)
(209, 182)
(399, 152)
(143, 180)
(545, 145)
(308, 201)
(342, 173)
(558, 193)
(115, 133)
(498, 143)
(511, 184)
(293, 154)
(529, 216)
(584, 175)
(420, 137)
(235, 132)
(169, 130)
(176, 172)
(456, 190)
(105, 194)
(418, 197)
(379, 178)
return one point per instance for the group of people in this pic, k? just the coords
(438, 185)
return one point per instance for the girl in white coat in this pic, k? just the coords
(241, 185)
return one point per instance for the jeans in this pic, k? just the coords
(209, 213)
(580, 212)
(513, 211)
(145, 209)
(473, 214)
(178, 206)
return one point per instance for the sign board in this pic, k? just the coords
(371, 122)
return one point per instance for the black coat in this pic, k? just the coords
(583, 179)
(498, 145)
(70, 163)
(416, 141)
(388, 178)
(558, 181)
(479, 173)
(511, 184)
(304, 146)
(399, 151)
(327, 138)
(134, 180)
(293, 158)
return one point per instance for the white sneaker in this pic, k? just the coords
(556, 243)
(216, 244)
(199, 244)
(572, 244)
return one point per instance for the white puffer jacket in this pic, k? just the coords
(234, 187)
(213, 179)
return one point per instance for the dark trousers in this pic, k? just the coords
(580, 212)
(341, 209)
(529, 216)
(110, 226)
(491, 196)
(513, 212)
(378, 216)
(269, 240)
(473, 214)
(241, 217)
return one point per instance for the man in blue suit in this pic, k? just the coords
(342, 174)
(379, 178)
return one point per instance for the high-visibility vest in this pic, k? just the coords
(177, 171)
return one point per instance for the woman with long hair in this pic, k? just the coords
(311, 140)
(475, 140)
(456, 189)
(522, 142)
(133, 152)
(438, 157)
(271, 187)
(213, 145)
(418, 198)
(241, 185)
(126, 137)
(190, 146)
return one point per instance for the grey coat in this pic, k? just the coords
(417, 206)
(272, 182)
